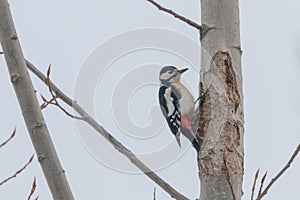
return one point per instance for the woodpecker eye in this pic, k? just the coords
(170, 72)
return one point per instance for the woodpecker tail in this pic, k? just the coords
(188, 134)
(177, 136)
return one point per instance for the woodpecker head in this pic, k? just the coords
(170, 74)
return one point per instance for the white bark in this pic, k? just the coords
(221, 120)
(30, 108)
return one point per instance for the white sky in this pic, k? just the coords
(64, 33)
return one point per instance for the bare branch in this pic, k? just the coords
(288, 164)
(154, 194)
(116, 144)
(226, 174)
(18, 172)
(6, 141)
(254, 184)
(182, 18)
(33, 187)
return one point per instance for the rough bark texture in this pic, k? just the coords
(221, 119)
(30, 108)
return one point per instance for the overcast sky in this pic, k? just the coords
(105, 46)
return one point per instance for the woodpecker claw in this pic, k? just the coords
(202, 96)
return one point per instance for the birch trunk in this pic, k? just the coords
(32, 115)
(222, 118)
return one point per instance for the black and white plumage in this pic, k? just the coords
(177, 104)
(170, 108)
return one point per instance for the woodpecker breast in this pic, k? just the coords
(186, 99)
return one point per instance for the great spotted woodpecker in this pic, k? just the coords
(177, 104)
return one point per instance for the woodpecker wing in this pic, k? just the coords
(170, 107)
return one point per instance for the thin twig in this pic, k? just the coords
(6, 141)
(116, 144)
(182, 18)
(19, 171)
(154, 193)
(46, 102)
(54, 101)
(261, 185)
(227, 176)
(33, 187)
(288, 164)
(254, 184)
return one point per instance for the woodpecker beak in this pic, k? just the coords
(182, 70)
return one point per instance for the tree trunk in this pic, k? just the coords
(31, 111)
(221, 115)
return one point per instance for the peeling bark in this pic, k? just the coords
(205, 110)
(222, 61)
